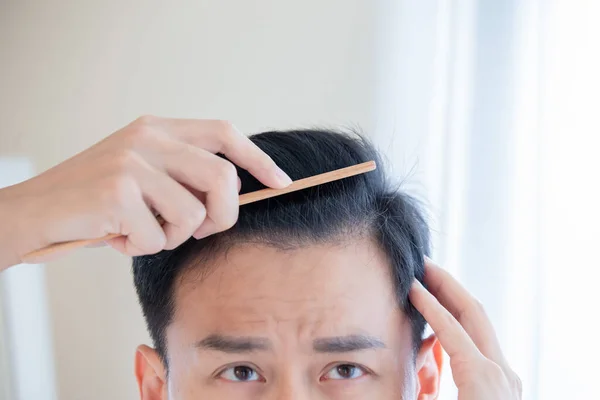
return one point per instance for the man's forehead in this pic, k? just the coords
(324, 288)
(345, 269)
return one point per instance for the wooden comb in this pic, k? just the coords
(244, 199)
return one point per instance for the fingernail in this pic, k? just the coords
(283, 177)
(429, 262)
(416, 285)
(206, 229)
(201, 235)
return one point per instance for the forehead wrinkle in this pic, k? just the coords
(219, 283)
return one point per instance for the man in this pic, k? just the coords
(305, 297)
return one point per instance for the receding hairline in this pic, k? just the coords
(197, 266)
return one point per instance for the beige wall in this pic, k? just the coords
(74, 71)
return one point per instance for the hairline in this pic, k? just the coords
(204, 262)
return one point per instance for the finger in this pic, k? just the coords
(450, 333)
(182, 212)
(465, 308)
(207, 228)
(211, 175)
(142, 234)
(222, 137)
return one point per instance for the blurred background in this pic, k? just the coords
(487, 109)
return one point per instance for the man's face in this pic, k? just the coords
(319, 322)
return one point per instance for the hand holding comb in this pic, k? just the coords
(244, 199)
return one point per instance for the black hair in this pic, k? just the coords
(367, 204)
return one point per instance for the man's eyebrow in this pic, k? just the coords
(345, 344)
(233, 344)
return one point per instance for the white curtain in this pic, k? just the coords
(512, 162)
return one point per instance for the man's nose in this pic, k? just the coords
(293, 388)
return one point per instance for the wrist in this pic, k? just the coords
(12, 227)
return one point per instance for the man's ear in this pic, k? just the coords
(429, 367)
(150, 374)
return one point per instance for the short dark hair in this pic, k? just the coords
(367, 204)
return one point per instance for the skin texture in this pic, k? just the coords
(290, 299)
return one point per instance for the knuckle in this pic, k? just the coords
(175, 236)
(225, 126)
(156, 245)
(447, 325)
(475, 308)
(224, 222)
(137, 137)
(449, 321)
(461, 366)
(225, 173)
(125, 160)
(193, 218)
(229, 220)
(146, 120)
(142, 130)
(226, 218)
(227, 132)
(494, 372)
(197, 216)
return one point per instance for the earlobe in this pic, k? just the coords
(150, 374)
(429, 367)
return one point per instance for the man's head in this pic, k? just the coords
(305, 297)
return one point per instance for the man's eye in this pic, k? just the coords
(240, 373)
(344, 371)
